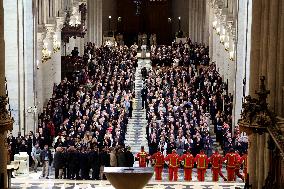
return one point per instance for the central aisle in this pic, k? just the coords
(136, 128)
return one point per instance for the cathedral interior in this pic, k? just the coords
(87, 85)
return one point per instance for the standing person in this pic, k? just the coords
(238, 164)
(113, 159)
(130, 109)
(59, 162)
(231, 159)
(202, 164)
(36, 156)
(216, 161)
(104, 159)
(188, 163)
(244, 161)
(73, 161)
(159, 161)
(144, 95)
(129, 157)
(142, 157)
(46, 159)
(94, 161)
(84, 164)
(173, 160)
(121, 158)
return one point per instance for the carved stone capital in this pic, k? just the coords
(6, 122)
(251, 128)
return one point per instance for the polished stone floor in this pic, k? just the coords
(34, 181)
(67, 184)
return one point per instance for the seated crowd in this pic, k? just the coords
(184, 98)
(86, 118)
(182, 54)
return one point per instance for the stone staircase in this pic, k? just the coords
(136, 129)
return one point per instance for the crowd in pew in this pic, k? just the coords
(184, 96)
(87, 116)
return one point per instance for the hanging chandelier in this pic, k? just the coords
(56, 44)
(46, 54)
(138, 4)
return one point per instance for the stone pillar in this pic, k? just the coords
(211, 31)
(196, 20)
(95, 21)
(44, 11)
(261, 147)
(6, 123)
(39, 7)
(280, 53)
(272, 52)
(57, 52)
(252, 151)
(192, 20)
(207, 23)
(99, 26)
(266, 155)
(39, 72)
(255, 46)
(240, 60)
(29, 66)
(48, 70)
(12, 59)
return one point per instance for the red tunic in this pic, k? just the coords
(231, 160)
(142, 156)
(173, 160)
(216, 161)
(188, 160)
(201, 161)
(158, 157)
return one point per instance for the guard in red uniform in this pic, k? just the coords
(202, 164)
(159, 161)
(142, 157)
(238, 164)
(244, 161)
(216, 161)
(231, 160)
(173, 160)
(188, 163)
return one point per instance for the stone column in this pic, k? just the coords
(192, 16)
(272, 52)
(255, 47)
(280, 60)
(95, 21)
(264, 36)
(252, 151)
(39, 71)
(189, 18)
(196, 20)
(211, 30)
(6, 123)
(207, 24)
(261, 147)
(29, 66)
(48, 70)
(99, 26)
(240, 59)
(57, 52)
(44, 11)
(39, 7)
